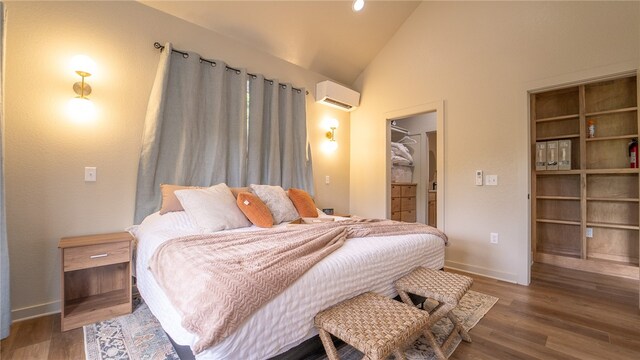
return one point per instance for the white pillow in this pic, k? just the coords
(212, 209)
(172, 221)
(277, 201)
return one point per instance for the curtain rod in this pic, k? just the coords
(185, 55)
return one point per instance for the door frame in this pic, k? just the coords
(438, 108)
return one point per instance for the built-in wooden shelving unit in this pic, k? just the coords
(587, 217)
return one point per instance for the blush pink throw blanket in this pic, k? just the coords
(216, 281)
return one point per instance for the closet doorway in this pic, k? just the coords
(415, 168)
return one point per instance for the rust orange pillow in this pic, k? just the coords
(255, 210)
(303, 203)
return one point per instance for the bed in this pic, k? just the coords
(360, 265)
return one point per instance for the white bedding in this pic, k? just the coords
(362, 264)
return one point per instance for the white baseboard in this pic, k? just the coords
(477, 270)
(35, 311)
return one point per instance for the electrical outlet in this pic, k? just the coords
(479, 177)
(90, 173)
(494, 238)
(589, 232)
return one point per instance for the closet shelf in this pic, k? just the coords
(613, 199)
(559, 118)
(561, 252)
(615, 111)
(560, 222)
(620, 137)
(558, 172)
(559, 137)
(558, 198)
(612, 171)
(613, 226)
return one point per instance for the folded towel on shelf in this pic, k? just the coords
(400, 150)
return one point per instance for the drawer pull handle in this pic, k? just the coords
(99, 256)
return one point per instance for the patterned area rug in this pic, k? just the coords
(139, 336)
(472, 307)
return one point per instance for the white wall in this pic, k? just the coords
(481, 58)
(45, 153)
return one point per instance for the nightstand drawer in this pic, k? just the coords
(83, 257)
(396, 215)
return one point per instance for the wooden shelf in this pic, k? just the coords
(618, 260)
(616, 111)
(595, 266)
(85, 305)
(621, 137)
(612, 171)
(613, 226)
(555, 221)
(559, 118)
(558, 198)
(612, 262)
(559, 137)
(613, 199)
(568, 253)
(558, 172)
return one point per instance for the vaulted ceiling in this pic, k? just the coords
(326, 37)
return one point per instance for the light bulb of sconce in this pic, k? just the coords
(358, 5)
(81, 110)
(330, 146)
(83, 65)
(332, 123)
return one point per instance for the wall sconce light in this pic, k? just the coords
(332, 144)
(357, 5)
(80, 108)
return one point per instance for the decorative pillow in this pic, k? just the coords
(255, 210)
(303, 203)
(212, 209)
(277, 201)
(170, 202)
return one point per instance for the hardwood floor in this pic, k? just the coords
(563, 314)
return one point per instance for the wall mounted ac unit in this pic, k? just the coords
(337, 96)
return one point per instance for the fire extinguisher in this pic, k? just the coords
(633, 153)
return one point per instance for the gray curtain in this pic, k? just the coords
(263, 164)
(278, 151)
(5, 300)
(195, 129)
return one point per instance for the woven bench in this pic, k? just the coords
(445, 288)
(375, 325)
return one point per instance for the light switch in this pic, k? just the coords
(492, 180)
(90, 173)
(327, 180)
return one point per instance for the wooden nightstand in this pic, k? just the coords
(95, 279)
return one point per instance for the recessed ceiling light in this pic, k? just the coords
(358, 5)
